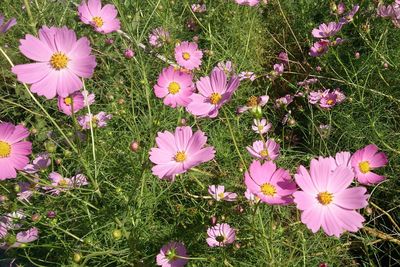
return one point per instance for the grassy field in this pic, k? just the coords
(126, 214)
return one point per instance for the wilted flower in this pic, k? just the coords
(349, 16)
(129, 53)
(254, 104)
(226, 67)
(199, 8)
(284, 101)
(283, 57)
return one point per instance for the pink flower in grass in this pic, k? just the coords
(283, 57)
(327, 30)
(343, 159)
(104, 20)
(266, 151)
(73, 102)
(218, 193)
(273, 186)
(247, 75)
(226, 67)
(175, 87)
(158, 37)
(261, 126)
(319, 48)
(199, 8)
(6, 26)
(248, 2)
(60, 184)
(98, 121)
(61, 61)
(22, 238)
(254, 104)
(214, 91)
(349, 16)
(364, 161)
(251, 197)
(41, 162)
(179, 152)
(341, 7)
(328, 100)
(220, 235)
(326, 200)
(188, 55)
(173, 254)
(13, 151)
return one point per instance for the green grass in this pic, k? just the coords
(150, 212)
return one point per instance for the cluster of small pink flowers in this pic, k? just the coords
(390, 11)
(326, 98)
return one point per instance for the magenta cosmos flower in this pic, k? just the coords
(325, 199)
(178, 152)
(6, 26)
(218, 193)
(41, 162)
(74, 102)
(220, 235)
(273, 186)
(264, 150)
(175, 87)
(365, 160)
(61, 62)
(104, 20)
(319, 48)
(172, 254)
(214, 91)
(188, 55)
(327, 30)
(13, 151)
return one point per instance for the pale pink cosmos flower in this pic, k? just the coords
(173, 254)
(103, 19)
(226, 67)
(261, 126)
(247, 75)
(199, 8)
(326, 201)
(6, 26)
(188, 55)
(175, 87)
(178, 152)
(218, 193)
(319, 48)
(73, 103)
(254, 104)
(60, 184)
(264, 150)
(364, 161)
(22, 238)
(272, 185)
(41, 162)
(284, 101)
(315, 96)
(327, 30)
(61, 60)
(98, 121)
(214, 91)
(248, 2)
(328, 100)
(13, 150)
(340, 96)
(220, 235)
(158, 37)
(349, 16)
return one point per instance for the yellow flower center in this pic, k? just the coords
(174, 88)
(68, 101)
(186, 56)
(98, 22)
(221, 195)
(63, 183)
(215, 98)
(364, 166)
(264, 153)
(180, 156)
(325, 198)
(260, 128)
(59, 61)
(330, 102)
(268, 189)
(253, 101)
(5, 149)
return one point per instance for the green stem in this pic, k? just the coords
(234, 140)
(28, 10)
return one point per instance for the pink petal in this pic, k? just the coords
(340, 179)
(351, 198)
(31, 73)
(47, 86)
(35, 49)
(304, 200)
(108, 12)
(182, 137)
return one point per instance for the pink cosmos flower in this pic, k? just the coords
(61, 61)
(220, 235)
(349, 16)
(251, 197)
(60, 184)
(104, 20)
(315, 96)
(226, 67)
(214, 91)
(343, 159)
(198, 8)
(248, 2)
(129, 53)
(73, 103)
(188, 55)
(175, 87)
(328, 100)
(172, 254)
(284, 101)
(247, 75)
(364, 161)
(261, 126)
(327, 30)
(341, 7)
(273, 186)
(266, 151)
(325, 199)
(283, 57)
(218, 193)
(41, 162)
(308, 82)
(254, 104)
(179, 152)
(319, 48)
(13, 151)
(158, 37)
(6, 26)
(340, 96)
(98, 121)
(22, 238)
